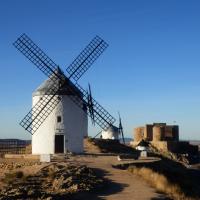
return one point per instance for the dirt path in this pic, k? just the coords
(121, 184)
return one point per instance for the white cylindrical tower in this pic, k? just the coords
(64, 129)
(111, 133)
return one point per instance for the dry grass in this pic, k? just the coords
(169, 177)
(159, 181)
(110, 146)
(55, 181)
(13, 176)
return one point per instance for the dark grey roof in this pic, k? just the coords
(113, 128)
(43, 89)
(143, 143)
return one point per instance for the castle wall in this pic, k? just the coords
(148, 132)
(158, 133)
(175, 146)
(165, 145)
(138, 134)
(168, 132)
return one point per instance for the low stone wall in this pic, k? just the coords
(22, 156)
(165, 145)
(182, 147)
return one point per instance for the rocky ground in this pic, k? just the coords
(29, 179)
(183, 158)
(93, 175)
(54, 181)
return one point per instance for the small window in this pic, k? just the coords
(58, 119)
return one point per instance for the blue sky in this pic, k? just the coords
(150, 72)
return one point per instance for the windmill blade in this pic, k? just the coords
(122, 132)
(30, 50)
(36, 116)
(90, 105)
(120, 122)
(121, 128)
(45, 106)
(42, 109)
(34, 119)
(101, 116)
(86, 58)
(97, 134)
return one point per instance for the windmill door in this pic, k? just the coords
(59, 143)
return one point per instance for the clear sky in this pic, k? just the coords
(150, 72)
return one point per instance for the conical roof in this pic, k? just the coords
(113, 129)
(44, 88)
(143, 143)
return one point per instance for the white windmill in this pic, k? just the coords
(58, 118)
(113, 132)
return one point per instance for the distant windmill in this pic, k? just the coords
(57, 121)
(113, 132)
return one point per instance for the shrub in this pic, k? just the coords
(11, 177)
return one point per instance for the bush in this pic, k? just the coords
(11, 177)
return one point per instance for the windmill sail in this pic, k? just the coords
(101, 116)
(86, 58)
(121, 128)
(90, 105)
(29, 49)
(36, 116)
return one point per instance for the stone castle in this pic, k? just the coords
(157, 132)
(164, 137)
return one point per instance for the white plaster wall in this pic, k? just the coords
(43, 138)
(73, 126)
(141, 148)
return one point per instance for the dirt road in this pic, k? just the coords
(121, 185)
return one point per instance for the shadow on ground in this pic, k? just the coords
(176, 173)
(161, 196)
(99, 193)
(33, 188)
